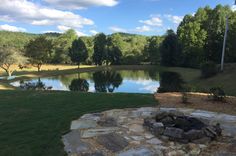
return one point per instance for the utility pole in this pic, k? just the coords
(224, 44)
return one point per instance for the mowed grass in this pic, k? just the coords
(32, 123)
(225, 80)
(46, 67)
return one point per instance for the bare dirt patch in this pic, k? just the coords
(197, 101)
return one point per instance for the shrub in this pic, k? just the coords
(217, 94)
(208, 69)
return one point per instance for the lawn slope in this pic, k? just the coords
(32, 123)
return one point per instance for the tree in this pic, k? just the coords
(215, 28)
(100, 53)
(169, 49)
(62, 45)
(78, 52)
(114, 45)
(152, 49)
(10, 57)
(39, 51)
(192, 38)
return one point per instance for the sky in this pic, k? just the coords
(89, 17)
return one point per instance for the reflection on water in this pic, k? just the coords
(170, 82)
(107, 81)
(127, 81)
(34, 85)
(79, 85)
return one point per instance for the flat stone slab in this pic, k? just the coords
(113, 142)
(120, 132)
(154, 141)
(108, 122)
(74, 144)
(136, 128)
(83, 124)
(96, 132)
(137, 152)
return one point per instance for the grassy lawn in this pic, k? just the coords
(226, 79)
(32, 123)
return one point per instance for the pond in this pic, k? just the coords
(109, 81)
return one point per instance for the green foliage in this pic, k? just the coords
(39, 51)
(208, 69)
(192, 39)
(201, 36)
(11, 56)
(114, 45)
(100, 52)
(17, 40)
(217, 94)
(169, 50)
(152, 49)
(61, 46)
(89, 45)
(78, 52)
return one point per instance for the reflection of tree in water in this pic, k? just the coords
(170, 82)
(107, 81)
(79, 85)
(38, 85)
(153, 74)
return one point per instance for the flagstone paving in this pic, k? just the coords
(121, 133)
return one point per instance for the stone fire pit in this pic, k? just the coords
(152, 132)
(181, 128)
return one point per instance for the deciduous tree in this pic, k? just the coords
(10, 58)
(78, 52)
(39, 51)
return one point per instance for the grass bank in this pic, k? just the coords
(225, 80)
(32, 123)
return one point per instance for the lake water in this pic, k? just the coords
(123, 81)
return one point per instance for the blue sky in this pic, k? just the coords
(88, 17)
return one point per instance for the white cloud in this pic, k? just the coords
(117, 29)
(41, 22)
(143, 29)
(7, 27)
(150, 88)
(174, 19)
(233, 7)
(28, 12)
(94, 32)
(81, 4)
(63, 28)
(154, 21)
(79, 33)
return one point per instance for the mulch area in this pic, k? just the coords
(197, 101)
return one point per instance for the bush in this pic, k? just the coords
(208, 69)
(217, 94)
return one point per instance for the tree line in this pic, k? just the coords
(199, 38)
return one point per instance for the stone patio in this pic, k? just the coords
(121, 133)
